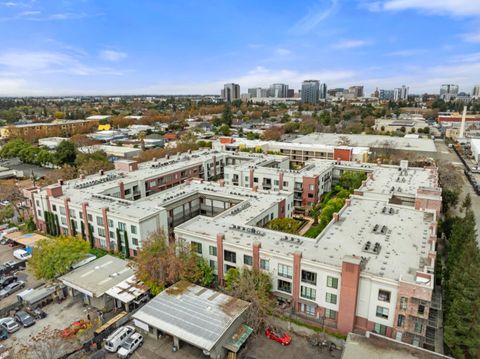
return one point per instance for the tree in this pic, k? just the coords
(227, 117)
(9, 191)
(351, 180)
(160, 265)
(224, 130)
(290, 127)
(59, 115)
(344, 141)
(467, 202)
(6, 214)
(274, 133)
(314, 213)
(287, 225)
(46, 344)
(254, 287)
(52, 257)
(65, 153)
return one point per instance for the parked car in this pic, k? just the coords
(130, 345)
(24, 319)
(118, 337)
(6, 280)
(37, 313)
(11, 288)
(3, 333)
(21, 254)
(278, 336)
(9, 324)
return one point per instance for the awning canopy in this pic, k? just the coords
(26, 239)
(235, 342)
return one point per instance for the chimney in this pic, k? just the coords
(154, 159)
(255, 188)
(336, 217)
(348, 202)
(167, 156)
(100, 172)
(60, 182)
(221, 183)
(82, 176)
(462, 125)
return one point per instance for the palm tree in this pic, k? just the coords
(314, 213)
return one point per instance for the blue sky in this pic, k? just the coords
(183, 47)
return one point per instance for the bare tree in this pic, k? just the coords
(47, 344)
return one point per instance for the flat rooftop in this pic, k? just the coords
(380, 347)
(402, 247)
(96, 277)
(194, 314)
(378, 141)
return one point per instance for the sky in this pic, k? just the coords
(89, 47)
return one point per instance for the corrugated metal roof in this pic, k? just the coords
(192, 313)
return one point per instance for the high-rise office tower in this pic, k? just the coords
(278, 90)
(476, 91)
(356, 91)
(400, 93)
(386, 95)
(448, 91)
(231, 92)
(310, 91)
(323, 91)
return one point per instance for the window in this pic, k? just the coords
(330, 314)
(382, 312)
(122, 226)
(230, 256)
(54, 207)
(213, 264)
(196, 247)
(80, 214)
(112, 235)
(110, 223)
(284, 286)
(309, 277)
(418, 327)
(275, 182)
(308, 309)
(403, 303)
(99, 221)
(285, 184)
(311, 187)
(265, 264)
(255, 179)
(247, 260)
(331, 298)
(380, 329)
(308, 293)
(39, 213)
(383, 295)
(72, 213)
(62, 210)
(284, 271)
(332, 282)
(134, 241)
(90, 218)
(63, 220)
(400, 320)
(212, 250)
(101, 232)
(133, 229)
(421, 309)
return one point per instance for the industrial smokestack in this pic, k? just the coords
(462, 125)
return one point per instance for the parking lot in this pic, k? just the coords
(258, 347)
(59, 316)
(6, 255)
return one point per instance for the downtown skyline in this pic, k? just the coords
(194, 47)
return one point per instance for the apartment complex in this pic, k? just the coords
(298, 153)
(310, 91)
(370, 269)
(48, 129)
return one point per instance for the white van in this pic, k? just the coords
(118, 337)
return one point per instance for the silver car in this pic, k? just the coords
(11, 288)
(9, 324)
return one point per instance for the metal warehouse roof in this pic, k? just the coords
(194, 314)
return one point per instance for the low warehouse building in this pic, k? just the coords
(202, 317)
(91, 281)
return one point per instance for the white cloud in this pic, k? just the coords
(111, 55)
(350, 44)
(315, 15)
(473, 37)
(406, 52)
(282, 51)
(436, 7)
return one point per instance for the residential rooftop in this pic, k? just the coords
(372, 141)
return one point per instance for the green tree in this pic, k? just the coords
(52, 257)
(224, 130)
(65, 153)
(467, 202)
(287, 225)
